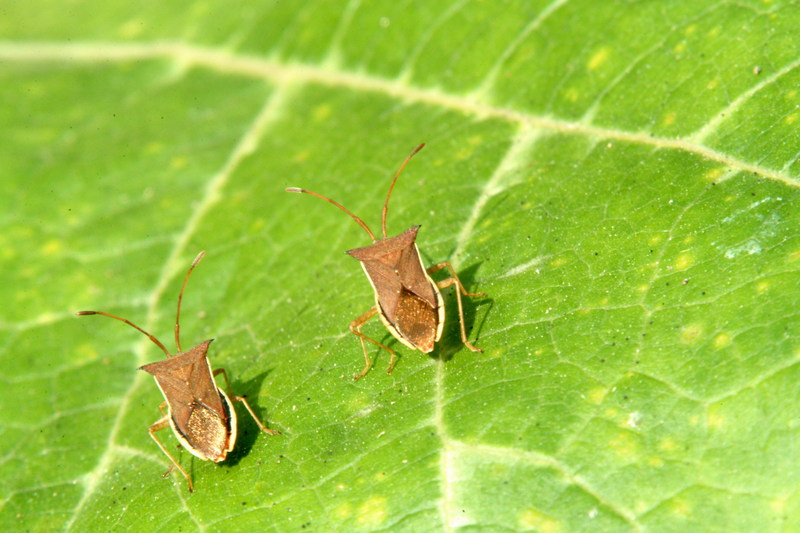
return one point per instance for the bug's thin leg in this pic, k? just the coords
(355, 328)
(161, 408)
(243, 399)
(459, 290)
(438, 266)
(160, 424)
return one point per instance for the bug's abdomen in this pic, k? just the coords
(416, 320)
(208, 433)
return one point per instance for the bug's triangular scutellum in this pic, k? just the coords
(407, 300)
(198, 411)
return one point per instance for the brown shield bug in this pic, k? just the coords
(199, 412)
(407, 300)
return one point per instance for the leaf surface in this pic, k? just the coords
(618, 177)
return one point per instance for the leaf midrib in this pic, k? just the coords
(285, 73)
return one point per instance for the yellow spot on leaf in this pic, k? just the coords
(763, 286)
(714, 32)
(178, 161)
(597, 395)
(778, 505)
(301, 156)
(681, 507)
(691, 333)
(322, 112)
(714, 420)
(611, 413)
(52, 247)
(358, 403)
(599, 57)
(712, 84)
(794, 256)
(680, 48)
(624, 445)
(656, 462)
(722, 340)
(372, 512)
(643, 287)
(690, 29)
(465, 152)
(655, 239)
(132, 28)
(153, 147)
(791, 119)
(538, 521)
(559, 262)
(668, 445)
(572, 95)
(669, 119)
(256, 225)
(85, 352)
(791, 95)
(684, 261)
(715, 173)
(343, 511)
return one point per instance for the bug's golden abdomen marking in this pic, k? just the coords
(208, 433)
(416, 320)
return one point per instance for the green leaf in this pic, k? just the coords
(618, 178)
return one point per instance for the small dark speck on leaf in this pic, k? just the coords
(685, 281)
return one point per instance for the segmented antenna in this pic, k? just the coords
(391, 187)
(340, 206)
(180, 299)
(156, 341)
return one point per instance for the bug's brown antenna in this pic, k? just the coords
(156, 341)
(180, 298)
(391, 187)
(340, 206)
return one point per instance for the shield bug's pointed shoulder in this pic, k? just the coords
(198, 411)
(407, 300)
